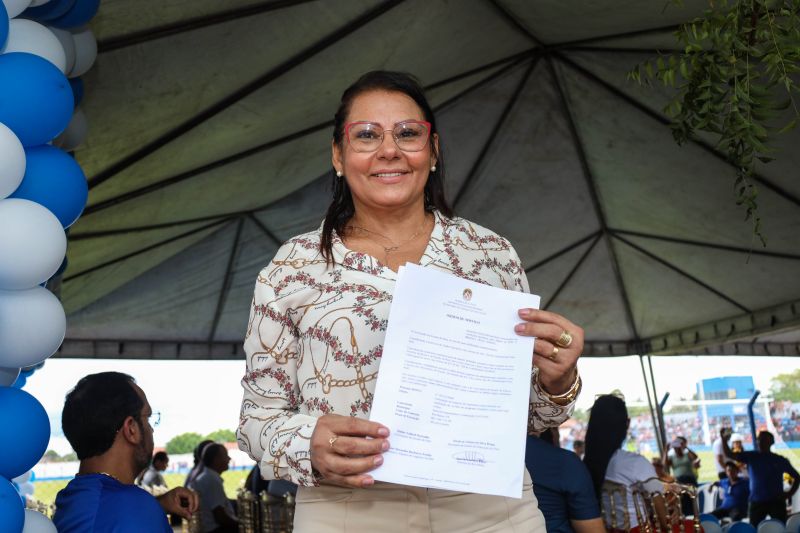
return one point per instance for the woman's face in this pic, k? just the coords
(388, 177)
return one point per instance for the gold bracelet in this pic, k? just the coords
(565, 398)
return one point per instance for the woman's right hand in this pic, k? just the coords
(342, 453)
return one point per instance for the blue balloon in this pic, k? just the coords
(55, 180)
(12, 511)
(3, 25)
(49, 11)
(24, 432)
(80, 13)
(36, 101)
(21, 381)
(77, 89)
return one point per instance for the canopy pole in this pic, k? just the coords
(650, 404)
(661, 430)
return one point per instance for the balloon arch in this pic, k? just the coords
(45, 46)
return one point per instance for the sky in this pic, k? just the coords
(203, 396)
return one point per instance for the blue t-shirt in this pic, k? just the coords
(562, 484)
(99, 503)
(766, 474)
(736, 495)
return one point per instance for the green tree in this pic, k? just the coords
(222, 435)
(51, 455)
(786, 386)
(183, 443)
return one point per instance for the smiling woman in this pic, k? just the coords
(319, 316)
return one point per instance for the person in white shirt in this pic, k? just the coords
(152, 476)
(216, 511)
(607, 461)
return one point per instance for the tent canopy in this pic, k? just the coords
(210, 145)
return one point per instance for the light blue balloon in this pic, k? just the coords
(78, 15)
(12, 512)
(24, 432)
(3, 25)
(36, 100)
(8, 376)
(54, 180)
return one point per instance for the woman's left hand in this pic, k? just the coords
(557, 358)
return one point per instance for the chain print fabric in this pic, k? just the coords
(315, 337)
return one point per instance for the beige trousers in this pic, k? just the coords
(390, 508)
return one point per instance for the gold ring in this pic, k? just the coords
(332, 440)
(564, 340)
(553, 355)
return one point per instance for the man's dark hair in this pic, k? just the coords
(160, 456)
(211, 452)
(731, 464)
(578, 442)
(341, 208)
(95, 410)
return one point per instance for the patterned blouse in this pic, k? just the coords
(315, 337)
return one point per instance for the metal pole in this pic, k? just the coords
(659, 413)
(652, 411)
(752, 418)
(661, 418)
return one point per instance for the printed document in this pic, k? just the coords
(454, 385)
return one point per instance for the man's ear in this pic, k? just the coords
(131, 430)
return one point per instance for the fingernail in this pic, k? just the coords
(524, 312)
(385, 445)
(367, 482)
(383, 432)
(519, 328)
(378, 460)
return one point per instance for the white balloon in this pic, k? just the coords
(7, 377)
(37, 3)
(33, 38)
(68, 44)
(32, 326)
(26, 489)
(85, 51)
(75, 133)
(36, 522)
(15, 7)
(12, 161)
(32, 246)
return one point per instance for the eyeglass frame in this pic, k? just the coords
(383, 134)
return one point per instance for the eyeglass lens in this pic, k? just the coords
(155, 419)
(367, 137)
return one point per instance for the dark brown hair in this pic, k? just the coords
(342, 209)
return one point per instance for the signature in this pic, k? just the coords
(469, 457)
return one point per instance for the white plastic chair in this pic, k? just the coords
(770, 525)
(793, 524)
(710, 526)
(710, 494)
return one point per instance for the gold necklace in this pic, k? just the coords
(395, 246)
(101, 473)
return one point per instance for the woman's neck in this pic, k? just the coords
(396, 224)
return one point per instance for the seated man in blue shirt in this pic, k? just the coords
(737, 493)
(563, 486)
(105, 419)
(766, 470)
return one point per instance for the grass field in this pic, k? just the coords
(45, 491)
